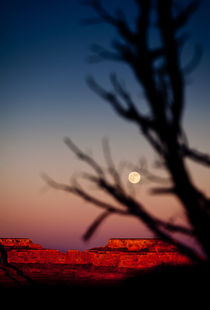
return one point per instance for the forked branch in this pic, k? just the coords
(127, 205)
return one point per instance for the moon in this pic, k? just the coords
(134, 177)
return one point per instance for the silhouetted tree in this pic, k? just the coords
(160, 73)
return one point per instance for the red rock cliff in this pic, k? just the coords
(119, 253)
(19, 243)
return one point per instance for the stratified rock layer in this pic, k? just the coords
(118, 253)
(30, 264)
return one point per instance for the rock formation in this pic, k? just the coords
(118, 253)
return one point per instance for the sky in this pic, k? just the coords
(44, 97)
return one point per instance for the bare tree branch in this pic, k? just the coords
(183, 16)
(117, 21)
(100, 53)
(175, 228)
(111, 166)
(162, 190)
(195, 155)
(77, 190)
(93, 227)
(84, 157)
(129, 113)
(160, 73)
(133, 209)
(165, 130)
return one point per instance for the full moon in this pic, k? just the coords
(134, 177)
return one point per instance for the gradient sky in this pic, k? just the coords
(44, 97)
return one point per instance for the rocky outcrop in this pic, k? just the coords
(118, 253)
(20, 243)
(140, 245)
(136, 254)
(30, 264)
